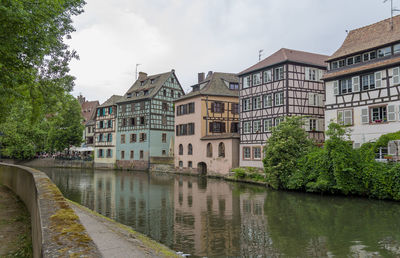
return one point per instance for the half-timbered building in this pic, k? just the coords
(105, 133)
(287, 83)
(146, 120)
(207, 125)
(363, 82)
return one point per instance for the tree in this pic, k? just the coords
(66, 128)
(33, 56)
(286, 145)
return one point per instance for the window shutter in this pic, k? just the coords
(356, 83)
(98, 112)
(348, 117)
(320, 74)
(391, 113)
(111, 153)
(110, 137)
(378, 79)
(340, 117)
(307, 73)
(364, 116)
(320, 125)
(311, 99)
(396, 75)
(335, 88)
(307, 124)
(320, 100)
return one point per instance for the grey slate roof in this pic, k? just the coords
(158, 81)
(215, 85)
(111, 101)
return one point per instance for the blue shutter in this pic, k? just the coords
(110, 110)
(110, 137)
(98, 112)
(111, 153)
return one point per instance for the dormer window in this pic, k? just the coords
(146, 92)
(151, 81)
(141, 83)
(357, 59)
(129, 95)
(386, 51)
(396, 49)
(233, 86)
(369, 56)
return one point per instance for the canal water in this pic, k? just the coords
(210, 217)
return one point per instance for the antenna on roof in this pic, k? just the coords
(260, 54)
(136, 71)
(392, 10)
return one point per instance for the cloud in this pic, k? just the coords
(202, 35)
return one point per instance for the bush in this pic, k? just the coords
(239, 173)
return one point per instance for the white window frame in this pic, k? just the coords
(268, 76)
(378, 79)
(268, 124)
(345, 117)
(396, 75)
(244, 153)
(268, 100)
(246, 127)
(279, 120)
(246, 104)
(391, 113)
(279, 73)
(246, 82)
(257, 126)
(257, 102)
(256, 79)
(279, 98)
(253, 152)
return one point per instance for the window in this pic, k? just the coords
(165, 106)
(142, 120)
(164, 137)
(123, 122)
(132, 137)
(341, 63)
(221, 150)
(396, 75)
(345, 86)
(268, 125)
(217, 107)
(142, 137)
(234, 127)
(311, 74)
(209, 150)
(101, 124)
(246, 127)
(122, 138)
(132, 121)
(315, 99)
(151, 81)
(164, 120)
(345, 117)
(142, 105)
(246, 153)
(180, 163)
(279, 98)
(235, 108)
(396, 49)
(172, 93)
(180, 149)
(233, 86)
(256, 152)
(378, 114)
(122, 154)
(334, 65)
(109, 153)
(278, 73)
(267, 100)
(369, 56)
(132, 154)
(268, 76)
(141, 83)
(217, 127)
(386, 51)
(109, 137)
(246, 82)
(257, 102)
(190, 128)
(191, 107)
(246, 105)
(100, 153)
(109, 124)
(368, 82)
(164, 152)
(350, 60)
(190, 149)
(257, 126)
(190, 164)
(141, 154)
(279, 120)
(357, 59)
(164, 93)
(256, 79)
(312, 124)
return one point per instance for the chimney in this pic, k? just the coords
(200, 77)
(142, 76)
(209, 74)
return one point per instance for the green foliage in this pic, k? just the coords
(384, 139)
(287, 144)
(248, 173)
(338, 168)
(239, 173)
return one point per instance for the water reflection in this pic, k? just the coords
(206, 217)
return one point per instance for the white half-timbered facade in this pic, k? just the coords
(287, 83)
(363, 82)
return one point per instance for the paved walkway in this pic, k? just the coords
(112, 240)
(15, 224)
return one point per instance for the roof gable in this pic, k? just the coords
(369, 37)
(111, 101)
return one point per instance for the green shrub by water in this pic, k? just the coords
(293, 163)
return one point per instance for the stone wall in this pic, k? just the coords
(56, 229)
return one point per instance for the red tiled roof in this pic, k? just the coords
(368, 37)
(88, 108)
(285, 54)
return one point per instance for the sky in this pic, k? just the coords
(193, 36)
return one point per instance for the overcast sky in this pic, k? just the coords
(194, 36)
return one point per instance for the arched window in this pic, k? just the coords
(209, 150)
(180, 163)
(221, 150)
(180, 149)
(190, 149)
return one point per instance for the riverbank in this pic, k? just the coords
(117, 240)
(15, 226)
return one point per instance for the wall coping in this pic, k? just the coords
(56, 229)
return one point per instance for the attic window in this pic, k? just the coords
(137, 93)
(146, 92)
(233, 86)
(129, 95)
(141, 83)
(151, 81)
(172, 80)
